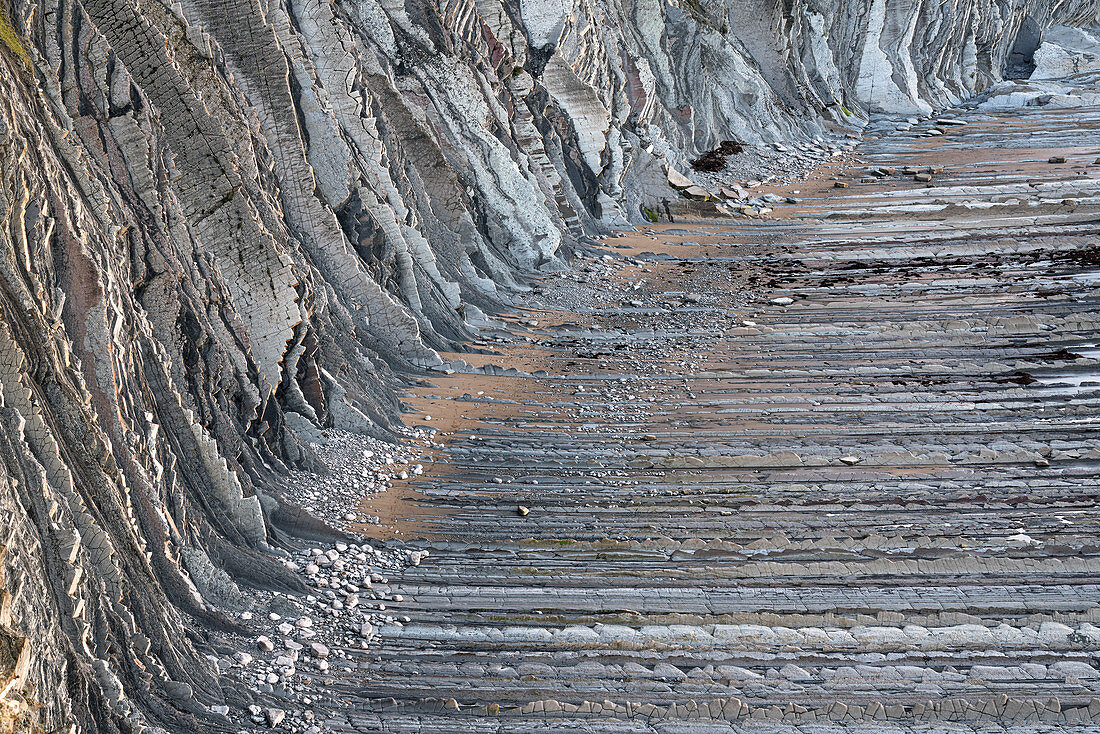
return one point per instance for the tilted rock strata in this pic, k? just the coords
(830, 470)
(224, 218)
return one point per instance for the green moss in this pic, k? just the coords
(12, 40)
(649, 214)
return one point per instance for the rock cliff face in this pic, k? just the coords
(227, 220)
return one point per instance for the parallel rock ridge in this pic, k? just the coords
(824, 472)
(222, 218)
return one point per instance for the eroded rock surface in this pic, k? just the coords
(828, 472)
(228, 225)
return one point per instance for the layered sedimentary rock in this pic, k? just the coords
(223, 221)
(824, 472)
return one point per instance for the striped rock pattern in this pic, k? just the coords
(226, 225)
(872, 508)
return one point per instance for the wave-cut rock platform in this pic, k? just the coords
(835, 468)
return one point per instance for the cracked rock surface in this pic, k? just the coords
(234, 234)
(833, 471)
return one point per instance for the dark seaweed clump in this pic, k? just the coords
(715, 160)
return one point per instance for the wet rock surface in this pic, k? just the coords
(781, 473)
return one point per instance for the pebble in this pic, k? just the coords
(274, 716)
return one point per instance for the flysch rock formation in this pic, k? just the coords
(829, 471)
(227, 224)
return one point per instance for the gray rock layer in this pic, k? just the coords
(216, 213)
